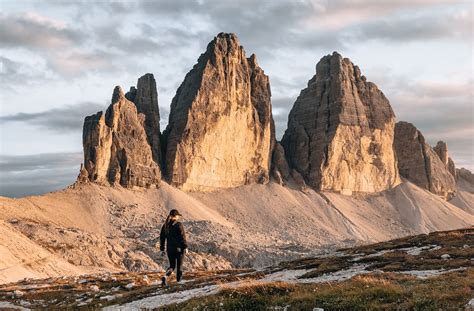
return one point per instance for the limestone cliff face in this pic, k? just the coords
(220, 132)
(116, 150)
(441, 149)
(145, 97)
(420, 164)
(340, 131)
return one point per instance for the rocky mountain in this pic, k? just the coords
(116, 150)
(340, 131)
(220, 132)
(269, 202)
(426, 167)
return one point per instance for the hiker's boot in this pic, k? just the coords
(167, 274)
(179, 276)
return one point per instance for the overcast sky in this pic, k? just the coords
(59, 62)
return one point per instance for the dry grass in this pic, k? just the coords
(377, 291)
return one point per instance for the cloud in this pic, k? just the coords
(339, 14)
(111, 37)
(37, 173)
(65, 119)
(71, 64)
(440, 110)
(15, 73)
(407, 28)
(35, 31)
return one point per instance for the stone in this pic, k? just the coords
(441, 150)
(419, 163)
(340, 131)
(145, 97)
(220, 132)
(116, 150)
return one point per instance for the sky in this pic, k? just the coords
(59, 61)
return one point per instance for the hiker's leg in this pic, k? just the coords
(172, 260)
(179, 261)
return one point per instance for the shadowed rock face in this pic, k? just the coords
(116, 150)
(465, 174)
(281, 170)
(441, 149)
(340, 131)
(145, 97)
(220, 132)
(420, 164)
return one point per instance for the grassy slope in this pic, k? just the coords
(376, 291)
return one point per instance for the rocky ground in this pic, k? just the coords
(434, 271)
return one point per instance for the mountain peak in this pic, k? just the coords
(340, 131)
(117, 94)
(220, 132)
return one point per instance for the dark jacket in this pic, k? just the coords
(175, 237)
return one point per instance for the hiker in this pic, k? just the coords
(176, 247)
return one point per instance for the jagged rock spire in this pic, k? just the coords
(220, 132)
(116, 150)
(145, 97)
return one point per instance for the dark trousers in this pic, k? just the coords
(176, 263)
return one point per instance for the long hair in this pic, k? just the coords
(168, 222)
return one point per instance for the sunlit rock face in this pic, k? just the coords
(220, 132)
(340, 131)
(116, 149)
(420, 164)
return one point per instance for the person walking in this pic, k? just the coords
(172, 232)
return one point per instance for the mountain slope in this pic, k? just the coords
(90, 228)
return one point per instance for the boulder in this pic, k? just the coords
(420, 164)
(340, 131)
(116, 150)
(220, 132)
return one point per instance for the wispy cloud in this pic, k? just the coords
(37, 173)
(64, 119)
(35, 31)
